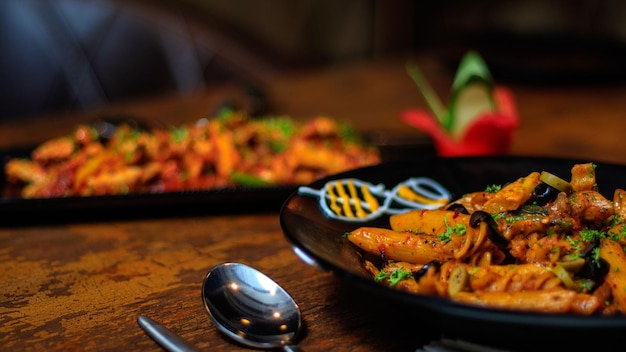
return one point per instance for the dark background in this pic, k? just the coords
(65, 55)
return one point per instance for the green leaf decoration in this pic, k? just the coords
(471, 68)
(472, 94)
(435, 105)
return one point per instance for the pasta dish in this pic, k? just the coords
(226, 151)
(539, 243)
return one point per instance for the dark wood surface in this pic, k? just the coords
(81, 285)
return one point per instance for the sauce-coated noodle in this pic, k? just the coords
(527, 246)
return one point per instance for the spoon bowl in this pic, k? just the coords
(251, 308)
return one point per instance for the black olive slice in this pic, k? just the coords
(594, 268)
(542, 194)
(492, 231)
(494, 234)
(458, 208)
(433, 263)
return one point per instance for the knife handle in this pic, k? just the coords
(163, 336)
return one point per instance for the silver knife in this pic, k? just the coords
(164, 337)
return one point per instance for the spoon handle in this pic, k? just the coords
(291, 348)
(164, 337)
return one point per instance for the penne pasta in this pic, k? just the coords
(226, 151)
(613, 253)
(539, 244)
(400, 246)
(544, 301)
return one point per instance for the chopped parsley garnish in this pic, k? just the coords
(179, 134)
(285, 125)
(347, 133)
(380, 276)
(493, 188)
(589, 234)
(395, 277)
(399, 275)
(595, 254)
(575, 243)
(585, 285)
(459, 229)
(498, 216)
(615, 219)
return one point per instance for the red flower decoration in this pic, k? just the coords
(488, 134)
(481, 117)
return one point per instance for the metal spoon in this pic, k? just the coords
(251, 308)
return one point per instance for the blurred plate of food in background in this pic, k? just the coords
(232, 162)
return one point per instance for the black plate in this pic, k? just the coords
(19, 211)
(15, 210)
(318, 240)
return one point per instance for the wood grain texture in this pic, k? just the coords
(82, 286)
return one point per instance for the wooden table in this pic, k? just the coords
(81, 286)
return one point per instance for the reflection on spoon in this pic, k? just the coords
(251, 308)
